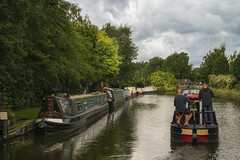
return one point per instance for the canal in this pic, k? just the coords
(139, 130)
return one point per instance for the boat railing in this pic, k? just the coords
(197, 117)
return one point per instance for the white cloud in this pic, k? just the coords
(162, 27)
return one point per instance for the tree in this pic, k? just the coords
(127, 51)
(107, 50)
(177, 63)
(47, 42)
(164, 80)
(196, 74)
(236, 67)
(154, 64)
(215, 62)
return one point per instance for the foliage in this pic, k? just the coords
(196, 77)
(163, 80)
(215, 62)
(235, 67)
(141, 75)
(107, 50)
(222, 81)
(177, 63)
(154, 64)
(226, 93)
(47, 42)
(127, 51)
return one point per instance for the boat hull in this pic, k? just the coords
(194, 134)
(50, 125)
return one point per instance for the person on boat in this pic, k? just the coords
(205, 95)
(180, 104)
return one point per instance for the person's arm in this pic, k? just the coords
(189, 100)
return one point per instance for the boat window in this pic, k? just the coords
(55, 105)
(79, 106)
(44, 106)
(66, 107)
(85, 105)
(91, 103)
(98, 100)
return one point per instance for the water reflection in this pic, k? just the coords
(116, 141)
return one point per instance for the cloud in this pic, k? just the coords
(162, 27)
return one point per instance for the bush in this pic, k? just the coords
(237, 86)
(222, 81)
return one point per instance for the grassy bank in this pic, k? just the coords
(226, 94)
(27, 113)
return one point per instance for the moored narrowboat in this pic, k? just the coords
(198, 130)
(66, 113)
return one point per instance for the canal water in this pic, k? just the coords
(139, 130)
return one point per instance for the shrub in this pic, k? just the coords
(222, 81)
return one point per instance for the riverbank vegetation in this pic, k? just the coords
(165, 81)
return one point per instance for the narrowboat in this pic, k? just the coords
(61, 113)
(198, 131)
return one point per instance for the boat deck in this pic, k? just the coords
(196, 126)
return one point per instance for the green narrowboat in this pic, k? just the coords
(66, 113)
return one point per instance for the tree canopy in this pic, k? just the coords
(164, 80)
(47, 42)
(215, 62)
(178, 64)
(127, 52)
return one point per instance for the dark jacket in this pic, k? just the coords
(206, 95)
(180, 103)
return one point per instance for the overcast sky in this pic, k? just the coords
(161, 27)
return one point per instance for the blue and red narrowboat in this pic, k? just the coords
(198, 130)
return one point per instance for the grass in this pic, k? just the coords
(28, 113)
(227, 94)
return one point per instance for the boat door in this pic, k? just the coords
(50, 108)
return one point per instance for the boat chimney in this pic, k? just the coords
(68, 91)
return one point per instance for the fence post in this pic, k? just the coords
(4, 118)
(5, 129)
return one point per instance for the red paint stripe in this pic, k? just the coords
(202, 139)
(186, 138)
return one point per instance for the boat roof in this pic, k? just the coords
(191, 92)
(86, 95)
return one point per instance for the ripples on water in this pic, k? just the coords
(139, 130)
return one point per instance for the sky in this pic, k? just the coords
(161, 27)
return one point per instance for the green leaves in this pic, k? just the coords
(177, 63)
(222, 81)
(236, 67)
(45, 42)
(215, 62)
(107, 49)
(127, 51)
(163, 80)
